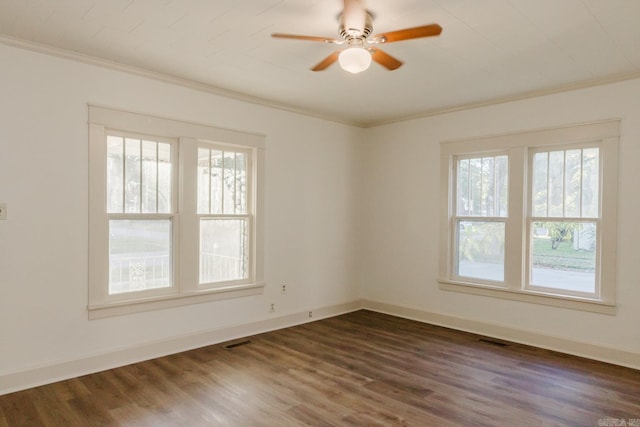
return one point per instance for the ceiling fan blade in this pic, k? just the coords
(384, 59)
(354, 16)
(307, 38)
(324, 64)
(409, 33)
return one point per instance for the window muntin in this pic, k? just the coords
(139, 202)
(223, 182)
(566, 183)
(481, 207)
(564, 222)
(224, 176)
(139, 175)
(482, 186)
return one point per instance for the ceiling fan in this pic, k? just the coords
(355, 28)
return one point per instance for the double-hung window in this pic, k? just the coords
(564, 218)
(175, 213)
(224, 208)
(140, 210)
(532, 216)
(480, 216)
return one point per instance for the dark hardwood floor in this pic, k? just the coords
(362, 368)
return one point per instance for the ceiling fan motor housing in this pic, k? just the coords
(356, 33)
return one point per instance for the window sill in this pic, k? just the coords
(574, 303)
(100, 311)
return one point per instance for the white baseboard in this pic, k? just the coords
(73, 368)
(59, 371)
(536, 339)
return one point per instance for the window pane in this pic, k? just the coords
(165, 172)
(590, 182)
(482, 186)
(488, 188)
(204, 178)
(115, 170)
(223, 250)
(540, 183)
(229, 200)
(573, 175)
(556, 184)
(475, 176)
(480, 249)
(222, 182)
(217, 186)
(564, 255)
(138, 176)
(463, 201)
(132, 176)
(502, 185)
(241, 184)
(139, 255)
(149, 184)
(566, 183)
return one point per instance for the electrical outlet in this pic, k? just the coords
(272, 308)
(311, 314)
(3, 211)
(283, 289)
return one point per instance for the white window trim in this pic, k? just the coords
(508, 223)
(248, 216)
(606, 135)
(186, 289)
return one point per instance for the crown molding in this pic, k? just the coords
(239, 96)
(167, 78)
(585, 84)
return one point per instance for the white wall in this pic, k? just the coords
(399, 243)
(350, 214)
(311, 166)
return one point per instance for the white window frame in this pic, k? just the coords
(604, 135)
(471, 218)
(186, 137)
(249, 217)
(171, 215)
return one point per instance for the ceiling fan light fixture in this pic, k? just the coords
(355, 27)
(355, 59)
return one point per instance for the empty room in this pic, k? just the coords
(319, 212)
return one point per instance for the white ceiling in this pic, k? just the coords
(489, 50)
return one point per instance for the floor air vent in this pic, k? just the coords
(237, 344)
(493, 342)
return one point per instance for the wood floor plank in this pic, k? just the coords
(362, 368)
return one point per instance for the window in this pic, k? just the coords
(563, 221)
(224, 214)
(532, 216)
(481, 211)
(173, 220)
(140, 212)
